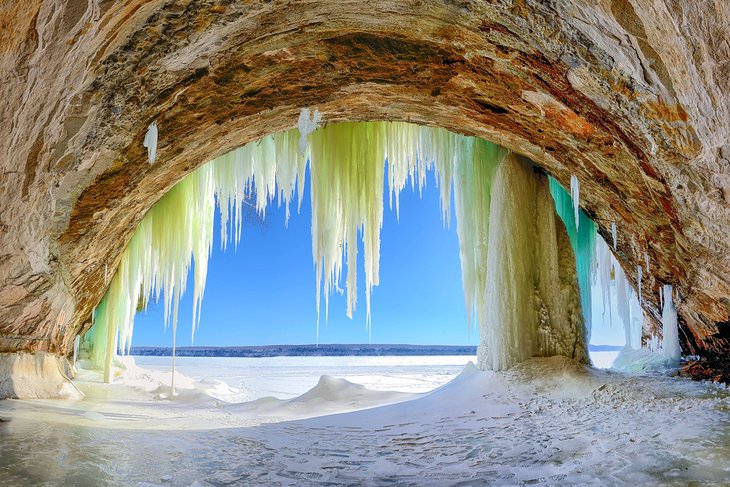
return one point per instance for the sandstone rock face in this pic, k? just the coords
(36, 376)
(631, 96)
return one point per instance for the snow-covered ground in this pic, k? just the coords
(544, 422)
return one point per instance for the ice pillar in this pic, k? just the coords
(532, 294)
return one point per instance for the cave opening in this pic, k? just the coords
(623, 103)
(546, 254)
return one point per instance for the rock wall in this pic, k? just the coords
(630, 96)
(36, 376)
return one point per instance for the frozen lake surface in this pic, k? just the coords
(544, 422)
(287, 377)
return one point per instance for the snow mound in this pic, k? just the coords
(333, 389)
(330, 395)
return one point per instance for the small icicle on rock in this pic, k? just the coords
(308, 122)
(613, 235)
(150, 141)
(575, 194)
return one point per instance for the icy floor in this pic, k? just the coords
(546, 422)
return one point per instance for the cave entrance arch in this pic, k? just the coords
(538, 79)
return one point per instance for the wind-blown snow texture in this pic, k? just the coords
(547, 421)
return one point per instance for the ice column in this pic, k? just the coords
(672, 350)
(531, 293)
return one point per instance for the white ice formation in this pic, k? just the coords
(150, 141)
(672, 350)
(639, 273)
(308, 122)
(614, 235)
(532, 301)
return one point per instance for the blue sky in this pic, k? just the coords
(264, 292)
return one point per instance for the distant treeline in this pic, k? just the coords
(321, 350)
(309, 350)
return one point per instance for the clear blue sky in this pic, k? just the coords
(264, 293)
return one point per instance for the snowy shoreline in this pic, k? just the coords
(547, 421)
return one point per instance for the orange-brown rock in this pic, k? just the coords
(630, 96)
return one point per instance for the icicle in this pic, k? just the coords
(646, 261)
(661, 298)
(672, 350)
(150, 141)
(613, 234)
(636, 321)
(575, 194)
(306, 126)
(604, 260)
(623, 306)
(638, 279)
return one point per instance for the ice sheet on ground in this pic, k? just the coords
(545, 422)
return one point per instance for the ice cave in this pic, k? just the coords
(582, 147)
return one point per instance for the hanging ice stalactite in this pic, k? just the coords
(575, 195)
(178, 228)
(347, 172)
(604, 267)
(637, 321)
(613, 235)
(150, 141)
(308, 122)
(638, 280)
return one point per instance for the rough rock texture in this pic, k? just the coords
(630, 96)
(36, 376)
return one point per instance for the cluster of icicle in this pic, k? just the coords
(347, 167)
(597, 267)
